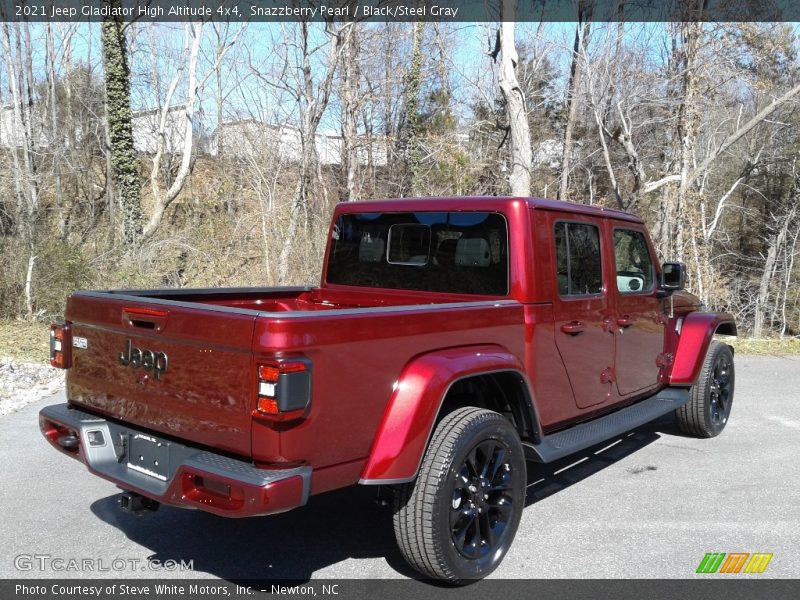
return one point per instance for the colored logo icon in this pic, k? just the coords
(734, 562)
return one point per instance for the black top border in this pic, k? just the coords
(383, 11)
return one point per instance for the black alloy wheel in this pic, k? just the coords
(711, 398)
(457, 520)
(482, 506)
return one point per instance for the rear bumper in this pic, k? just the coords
(191, 478)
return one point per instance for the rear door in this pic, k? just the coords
(640, 328)
(180, 369)
(581, 308)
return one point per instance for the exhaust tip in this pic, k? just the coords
(68, 442)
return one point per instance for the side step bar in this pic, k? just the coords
(563, 443)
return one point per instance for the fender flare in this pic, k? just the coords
(417, 396)
(696, 333)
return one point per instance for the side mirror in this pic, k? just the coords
(673, 276)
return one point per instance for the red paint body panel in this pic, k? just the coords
(201, 397)
(381, 360)
(590, 352)
(696, 333)
(358, 355)
(640, 329)
(416, 398)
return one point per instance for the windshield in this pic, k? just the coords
(454, 252)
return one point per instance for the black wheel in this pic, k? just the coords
(707, 413)
(458, 519)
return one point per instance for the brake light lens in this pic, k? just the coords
(60, 345)
(268, 373)
(267, 406)
(284, 388)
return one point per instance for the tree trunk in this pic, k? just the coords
(14, 131)
(21, 96)
(314, 101)
(576, 73)
(776, 244)
(350, 107)
(124, 161)
(412, 129)
(55, 134)
(29, 287)
(163, 198)
(521, 154)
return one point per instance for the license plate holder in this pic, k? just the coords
(148, 455)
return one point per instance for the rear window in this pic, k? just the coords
(453, 252)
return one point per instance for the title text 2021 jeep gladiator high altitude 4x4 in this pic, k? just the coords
(449, 341)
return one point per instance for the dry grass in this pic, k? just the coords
(29, 342)
(765, 347)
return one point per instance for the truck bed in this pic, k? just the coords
(215, 339)
(289, 299)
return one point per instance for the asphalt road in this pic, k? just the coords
(649, 506)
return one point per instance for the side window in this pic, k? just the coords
(579, 265)
(635, 272)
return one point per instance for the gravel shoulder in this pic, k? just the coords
(24, 382)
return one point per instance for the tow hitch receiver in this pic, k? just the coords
(137, 504)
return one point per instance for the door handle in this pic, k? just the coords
(573, 328)
(625, 321)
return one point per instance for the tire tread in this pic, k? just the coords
(414, 502)
(692, 417)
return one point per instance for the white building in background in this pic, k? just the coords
(11, 132)
(10, 128)
(146, 125)
(240, 139)
(248, 138)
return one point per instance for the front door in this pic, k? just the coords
(639, 327)
(582, 312)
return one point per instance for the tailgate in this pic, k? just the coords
(181, 369)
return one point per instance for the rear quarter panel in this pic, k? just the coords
(357, 357)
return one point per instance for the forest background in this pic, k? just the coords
(211, 154)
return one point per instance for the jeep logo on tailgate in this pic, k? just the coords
(145, 359)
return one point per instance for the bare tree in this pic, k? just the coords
(162, 198)
(521, 155)
(782, 225)
(312, 97)
(20, 79)
(352, 102)
(582, 31)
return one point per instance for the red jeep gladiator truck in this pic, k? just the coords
(450, 341)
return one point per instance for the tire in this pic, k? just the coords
(708, 410)
(457, 520)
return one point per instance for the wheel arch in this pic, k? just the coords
(420, 398)
(696, 332)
